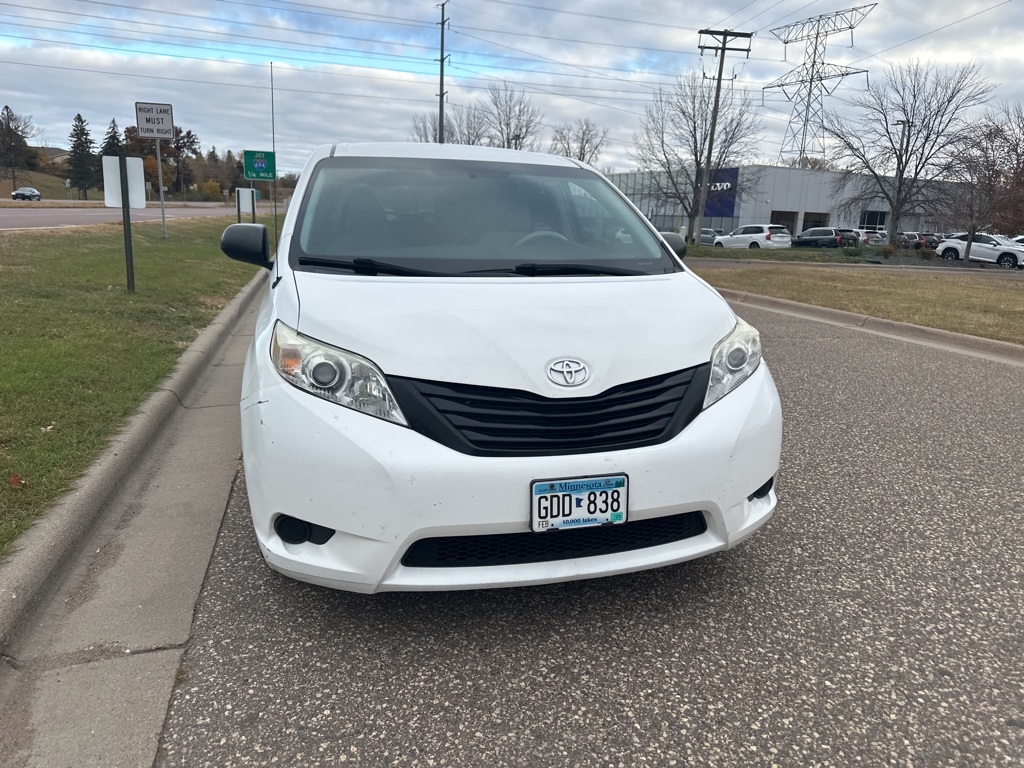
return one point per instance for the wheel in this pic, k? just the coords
(719, 245)
(1007, 261)
(754, 246)
(951, 254)
(539, 234)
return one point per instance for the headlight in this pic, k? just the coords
(733, 360)
(333, 374)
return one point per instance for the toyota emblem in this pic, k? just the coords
(568, 372)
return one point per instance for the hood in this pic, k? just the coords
(506, 332)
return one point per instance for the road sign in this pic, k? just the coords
(155, 121)
(258, 166)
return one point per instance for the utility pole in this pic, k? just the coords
(722, 38)
(443, 93)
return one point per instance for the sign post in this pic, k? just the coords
(123, 187)
(156, 121)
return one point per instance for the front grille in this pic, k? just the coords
(521, 548)
(488, 421)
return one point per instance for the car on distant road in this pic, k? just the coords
(992, 249)
(456, 383)
(708, 235)
(819, 237)
(878, 237)
(26, 193)
(755, 236)
(931, 239)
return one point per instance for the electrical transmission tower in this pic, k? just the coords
(806, 85)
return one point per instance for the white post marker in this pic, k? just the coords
(156, 121)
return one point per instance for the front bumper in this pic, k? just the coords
(382, 487)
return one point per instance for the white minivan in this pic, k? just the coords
(476, 367)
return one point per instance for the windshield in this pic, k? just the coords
(1003, 240)
(441, 217)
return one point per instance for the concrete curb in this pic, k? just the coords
(33, 566)
(1002, 351)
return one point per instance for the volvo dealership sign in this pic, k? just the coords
(155, 121)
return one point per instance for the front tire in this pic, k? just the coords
(753, 246)
(719, 245)
(1007, 261)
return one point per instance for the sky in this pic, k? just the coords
(286, 76)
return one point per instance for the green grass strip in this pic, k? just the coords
(80, 353)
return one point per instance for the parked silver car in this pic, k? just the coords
(708, 235)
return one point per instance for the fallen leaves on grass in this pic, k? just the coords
(16, 481)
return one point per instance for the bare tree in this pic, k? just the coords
(974, 194)
(15, 155)
(1009, 216)
(512, 119)
(673, 139)
(462, 125)
(581, 140)
(908, 131)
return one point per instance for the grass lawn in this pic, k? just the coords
(80, 353)
(989, 305)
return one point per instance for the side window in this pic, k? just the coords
(751, 231)
(984, 239)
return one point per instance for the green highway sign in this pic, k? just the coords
(258, 166)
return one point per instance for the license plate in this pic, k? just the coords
(579, 502)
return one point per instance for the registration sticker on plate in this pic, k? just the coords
(579, 502)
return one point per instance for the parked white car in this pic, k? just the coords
(992, 249)
(460, 378)
(756, 236)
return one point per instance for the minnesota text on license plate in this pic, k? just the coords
(579, 502)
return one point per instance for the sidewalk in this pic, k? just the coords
(96, 603)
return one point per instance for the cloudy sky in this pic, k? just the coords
(360, 70)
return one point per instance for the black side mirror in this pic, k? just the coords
(676, 242)
(247, 242)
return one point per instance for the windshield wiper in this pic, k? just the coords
(370, 267)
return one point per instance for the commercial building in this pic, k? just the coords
(797, 198)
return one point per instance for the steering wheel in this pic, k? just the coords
(539, 234)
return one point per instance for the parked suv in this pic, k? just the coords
(756, 236)
(818, 237)
(460, 378)
(913, 240)
(993, 249)
(853, 236)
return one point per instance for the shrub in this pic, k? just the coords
(888, 250)
(210, 191)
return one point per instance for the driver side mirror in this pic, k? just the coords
(676, 242)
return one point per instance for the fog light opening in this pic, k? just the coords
(763, 491)
(292, 530)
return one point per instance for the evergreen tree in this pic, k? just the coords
(82, 162)
(112, 145)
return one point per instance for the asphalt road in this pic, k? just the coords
(876, 621)
(37, 216)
